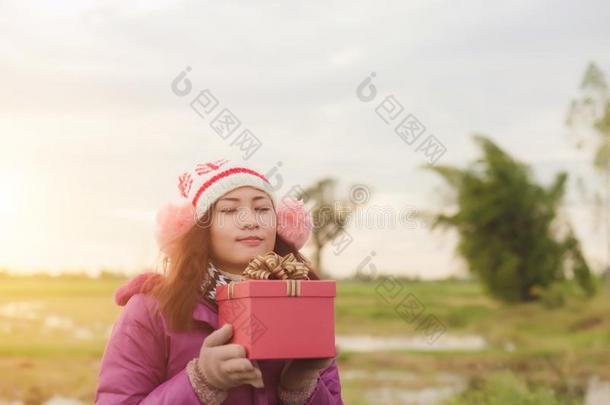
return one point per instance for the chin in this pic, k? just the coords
(247, 255)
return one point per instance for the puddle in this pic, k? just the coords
(444, 386)
(440, 386)
(21, 309)
(402, 376)
(598, 392)
(83, 333)
(67, 324)
(31, 310)
(366, 343)
(423, 396)
(379, 375)
(55, 400)
(57, 322)
(59, 400)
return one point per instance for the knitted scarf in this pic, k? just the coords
(217, 277)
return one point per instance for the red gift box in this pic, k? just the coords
(280, 319)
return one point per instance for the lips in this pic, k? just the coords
(250, 238)
(250, 241)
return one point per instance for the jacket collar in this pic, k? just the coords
(205, 312)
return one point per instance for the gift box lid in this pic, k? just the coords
(277, 288)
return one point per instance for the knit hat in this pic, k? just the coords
(207, 182)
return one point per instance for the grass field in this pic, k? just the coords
(53, 332)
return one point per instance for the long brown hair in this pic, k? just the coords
(179, 287)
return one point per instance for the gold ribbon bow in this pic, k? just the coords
(272, 266)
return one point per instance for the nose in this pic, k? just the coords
(248, 219)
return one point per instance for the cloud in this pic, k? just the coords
(87, 96)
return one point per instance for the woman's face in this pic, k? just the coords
(243, 226)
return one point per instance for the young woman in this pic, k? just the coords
(166, 347)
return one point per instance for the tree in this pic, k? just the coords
(510, 233)
(330, 215)
(589, 119)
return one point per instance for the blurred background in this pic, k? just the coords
(455, 158)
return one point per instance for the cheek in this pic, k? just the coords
(222, 231)
(267, 222)
(270, 243)
(270, 234)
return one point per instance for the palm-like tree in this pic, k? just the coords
(330, 215)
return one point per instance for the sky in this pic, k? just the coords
(93, 136)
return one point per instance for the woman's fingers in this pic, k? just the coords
(247, 377)
(219, 336)
(225, 364)
(242, 371)
(236, 365)
(256, 380)
(230, 351)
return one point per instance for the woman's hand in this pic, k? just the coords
(225, 365)
(297, 373)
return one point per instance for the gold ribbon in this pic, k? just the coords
(293, 288)
(231, 289)
(272, 266)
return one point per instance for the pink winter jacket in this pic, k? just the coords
(145, 363)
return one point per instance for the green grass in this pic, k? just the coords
(505, 388)
(551, 346)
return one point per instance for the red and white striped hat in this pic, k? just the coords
(206, 183)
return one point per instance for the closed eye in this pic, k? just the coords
(234, 209)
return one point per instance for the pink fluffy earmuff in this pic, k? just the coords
(175, 218)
